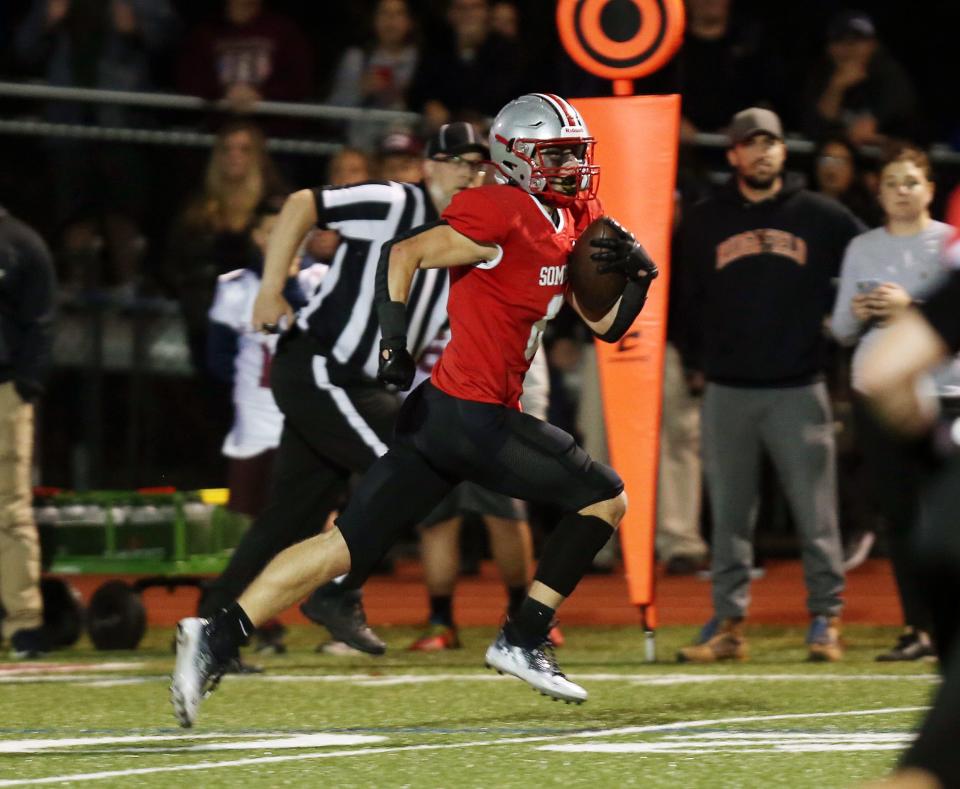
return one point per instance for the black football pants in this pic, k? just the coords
(442, 440)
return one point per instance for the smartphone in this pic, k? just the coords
(867, 285)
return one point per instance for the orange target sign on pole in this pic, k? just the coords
(621, 40)
(637, 140)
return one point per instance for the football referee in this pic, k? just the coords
(338, 419)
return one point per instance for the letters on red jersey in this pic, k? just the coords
(498, 310)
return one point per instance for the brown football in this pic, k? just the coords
(596, 293)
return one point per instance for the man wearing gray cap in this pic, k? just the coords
(338, 419)
(759, 256)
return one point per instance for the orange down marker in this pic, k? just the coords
(637, 139)
(637, 153)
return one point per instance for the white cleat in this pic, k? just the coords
(537, 667)
(196, 672)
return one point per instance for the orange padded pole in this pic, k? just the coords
(636, 149)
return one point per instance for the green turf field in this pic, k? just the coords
(444, 721)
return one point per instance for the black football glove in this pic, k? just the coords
(396, 366)
(623, 253)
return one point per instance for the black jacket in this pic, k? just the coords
(759, 283)
(27, 285)
(887, 94)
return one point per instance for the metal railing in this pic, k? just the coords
(939, 153)
(30, 127)
(177, 137)
(175, 101)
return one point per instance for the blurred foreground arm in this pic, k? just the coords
(893, 368)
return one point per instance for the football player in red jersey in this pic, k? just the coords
(507, 246)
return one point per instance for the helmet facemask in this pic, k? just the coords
(559, 170)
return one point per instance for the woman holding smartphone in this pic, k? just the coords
(378, 74)
(884, 271)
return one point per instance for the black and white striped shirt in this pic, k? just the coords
(341, 314)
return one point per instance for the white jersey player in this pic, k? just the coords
(257, 421)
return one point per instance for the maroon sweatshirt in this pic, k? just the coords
(268, 53)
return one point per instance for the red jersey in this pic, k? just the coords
(499, 309)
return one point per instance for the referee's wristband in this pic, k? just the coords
(393, 318)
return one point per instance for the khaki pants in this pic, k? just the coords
(679, 482)
(19, 546)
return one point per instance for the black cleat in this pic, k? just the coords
(341, 612)
(238, 666)
(29, 643)
(910, 646)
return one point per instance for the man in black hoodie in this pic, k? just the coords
(26, 308)
(760, 256)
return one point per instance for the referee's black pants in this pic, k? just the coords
(336, 422)
(441, 441)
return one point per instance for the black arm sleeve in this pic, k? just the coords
(942, 310)
(381, 291)
(632, 301)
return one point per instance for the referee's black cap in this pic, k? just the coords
(456, 138)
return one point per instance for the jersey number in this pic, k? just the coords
(536, 331)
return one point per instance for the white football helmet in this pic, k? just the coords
(541, 143)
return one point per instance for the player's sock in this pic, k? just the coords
(228, 631)
(515, 597)
(568, 554)
(441, 610)
(565, 559)
(529, 627)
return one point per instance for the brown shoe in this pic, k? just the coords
(824, 638)
(720, 639)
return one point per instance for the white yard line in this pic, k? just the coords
(746, 742)
(670, 678)
(788, 716)
(792, 736)
(264, 740)
(261, 760)
(686, 750)
(43, 669)
(369, 680)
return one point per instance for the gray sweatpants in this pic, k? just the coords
(794, 426)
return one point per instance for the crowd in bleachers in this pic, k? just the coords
(829, 73)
